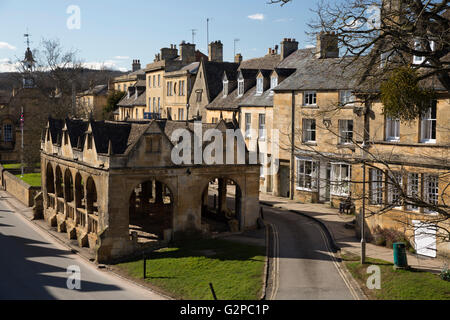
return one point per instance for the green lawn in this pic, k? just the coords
(184, 272)
(33, 179)
(398, 284)
(16, 166)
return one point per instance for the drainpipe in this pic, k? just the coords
(292, 169)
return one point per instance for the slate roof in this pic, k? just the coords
(101, 89)
(320, 74)
(253, 100)
(269, 61)
(230, 102)
(214, 72)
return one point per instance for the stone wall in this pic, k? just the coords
(19, 189)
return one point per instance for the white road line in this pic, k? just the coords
(276, 262)
(336, 264)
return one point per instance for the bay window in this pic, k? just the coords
(307, 174)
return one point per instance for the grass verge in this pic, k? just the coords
(33, 179)
(185, 271)
(398, 284)
(17, 166)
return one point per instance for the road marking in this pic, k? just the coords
(336, 264)
(276, 262)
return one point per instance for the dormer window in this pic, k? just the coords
(259, 86)
(273, 83)
(418, 47)
(240, 87)
(225, 88)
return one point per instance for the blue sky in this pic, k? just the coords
(116, 32)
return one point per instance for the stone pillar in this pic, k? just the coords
(146, 195)
(222, 195)
(159, 193)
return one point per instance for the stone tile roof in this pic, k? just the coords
(214, 72)
(101, 89)
(133, 101)
(253, 100)
(269, 61)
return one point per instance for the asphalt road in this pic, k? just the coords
(307, 270)
(33, 266)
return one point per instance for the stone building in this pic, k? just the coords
(133, 105)
(122, 83)
(113, 187)
(92, 102)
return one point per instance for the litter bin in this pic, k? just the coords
(400, 259)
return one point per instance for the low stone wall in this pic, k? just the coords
(19, 189)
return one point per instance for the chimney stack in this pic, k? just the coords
(288, 46)
(216, 51)
(238, 58)
(136, 65)
(187, 52)
(169, 53)
(327, 45)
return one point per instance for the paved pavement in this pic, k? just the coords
(34, 266)
(306, 269)
(345, 238)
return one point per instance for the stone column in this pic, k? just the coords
(159, 193)
(222, 195)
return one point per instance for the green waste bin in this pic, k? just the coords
(400, 259)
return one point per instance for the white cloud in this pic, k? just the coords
(7, 66)
(309, 46)
(108, 64)
(121, 57)
(256, 16)
(5, 45)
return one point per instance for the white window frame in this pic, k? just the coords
(413, 185)
(248, 125)
(273, 84)
(431, 191)
(417, 46)
(241, 87)
(225, 88)
(340, 186)
(392, 129)
(393, 191)
(308, 131)
(346, 98)
(307, 174)
(259, 86)
(376, 187)
(344, 132)
(262, 127)
(310, 98)
(428, 126)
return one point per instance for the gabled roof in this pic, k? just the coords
(214, 74)
(269, 62)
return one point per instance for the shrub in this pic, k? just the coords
(387, 237)
(445, 274)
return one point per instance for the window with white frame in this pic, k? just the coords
(262, 127)
(340, 179)
(392, 129)
(346, 97)
(431, 191)
(259, 86)
(376, 187)
(248, 125)
(310, 98)
(309, 130)
(418, 47)
(413, 189)
(273, 83)
(307, 174)
(345, 131)
(225, 88)
(395, 188)
(241, 87)
(428, 125)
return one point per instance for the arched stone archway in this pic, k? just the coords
(50, 186)
(222, 205)
(151, 210)
(68, 186)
